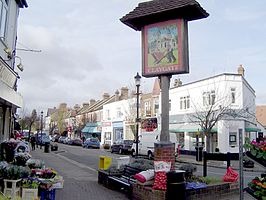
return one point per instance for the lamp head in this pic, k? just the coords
(20, 67)
(137, 79)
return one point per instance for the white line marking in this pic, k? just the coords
(76, 163)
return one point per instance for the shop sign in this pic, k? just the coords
(165, 48)
(6, 75)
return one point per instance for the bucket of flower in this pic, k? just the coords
(46, 178)
(30, 188)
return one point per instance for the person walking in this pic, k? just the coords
(33, 142)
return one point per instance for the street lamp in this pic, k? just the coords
(137, 82)
(41, 128)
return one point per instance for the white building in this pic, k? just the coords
(10, 99)
(226, 94)
(118, 121)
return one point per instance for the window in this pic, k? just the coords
(233, 95)
(119, 114)
(147, 108)
(232, 138)
(3, 17)
(184, 102)
(209, 98)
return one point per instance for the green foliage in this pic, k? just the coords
(142, 164)
(208, 179)
(14, 172)
(30, 184)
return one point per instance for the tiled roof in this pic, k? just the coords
(261, 114)
(162, 10)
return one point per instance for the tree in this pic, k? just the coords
(217, 106)
(30, 120)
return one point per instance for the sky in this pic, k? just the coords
(87, 51)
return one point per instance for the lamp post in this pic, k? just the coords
(137, 82)
(41, 128)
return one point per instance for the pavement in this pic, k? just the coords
(219, 164)
(80, 181)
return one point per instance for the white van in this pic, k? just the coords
(146, 143)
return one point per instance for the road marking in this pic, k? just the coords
(76, 163)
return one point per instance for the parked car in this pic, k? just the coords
(61, 139)
(55, 138)
(42, 140)
(92, 143)
(122, 146)
(75, 141)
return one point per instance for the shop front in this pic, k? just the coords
(106, 136)
(92, 130)
(118, 133)
(10, 100)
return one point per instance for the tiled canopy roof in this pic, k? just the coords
(162, 10)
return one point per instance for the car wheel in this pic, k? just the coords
(150, 156)
(120, 151)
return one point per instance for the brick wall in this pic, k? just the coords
(212, 192)
(165, 152)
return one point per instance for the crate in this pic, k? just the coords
(47, 194)
(29, 194)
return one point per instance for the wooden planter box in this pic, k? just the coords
(29, 194)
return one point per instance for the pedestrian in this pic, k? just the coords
(83, 139)
(33, 142)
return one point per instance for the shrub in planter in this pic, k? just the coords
(189, 170)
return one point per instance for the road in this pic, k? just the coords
(79, 167)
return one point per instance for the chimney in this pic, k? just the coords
(178, 82)
(92, 101)
(241, 70)
(116, 95)
(76, 107)
(106, 96)
(124, 93)
(85, 104)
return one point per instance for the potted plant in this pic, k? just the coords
(35, 163)
(30, 188)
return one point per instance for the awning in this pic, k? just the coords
(187, 127)
(90, 129)
(10, 95)
(252, 129)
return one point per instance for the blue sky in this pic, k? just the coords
(86, 51)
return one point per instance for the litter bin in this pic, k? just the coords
(199, 153)
(176, 186)
(46, 147)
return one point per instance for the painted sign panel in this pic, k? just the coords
(165, 48)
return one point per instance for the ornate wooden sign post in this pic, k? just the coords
(163, 24)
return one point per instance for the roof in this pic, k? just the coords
(162, 10)
(223, 74)
(261, 114)
(22, 3)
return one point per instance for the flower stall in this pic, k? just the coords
(22, 177)
(257, 152)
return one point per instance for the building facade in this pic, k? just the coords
(226, 100)
(10, 99)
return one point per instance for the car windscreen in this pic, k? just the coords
(128, 142)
